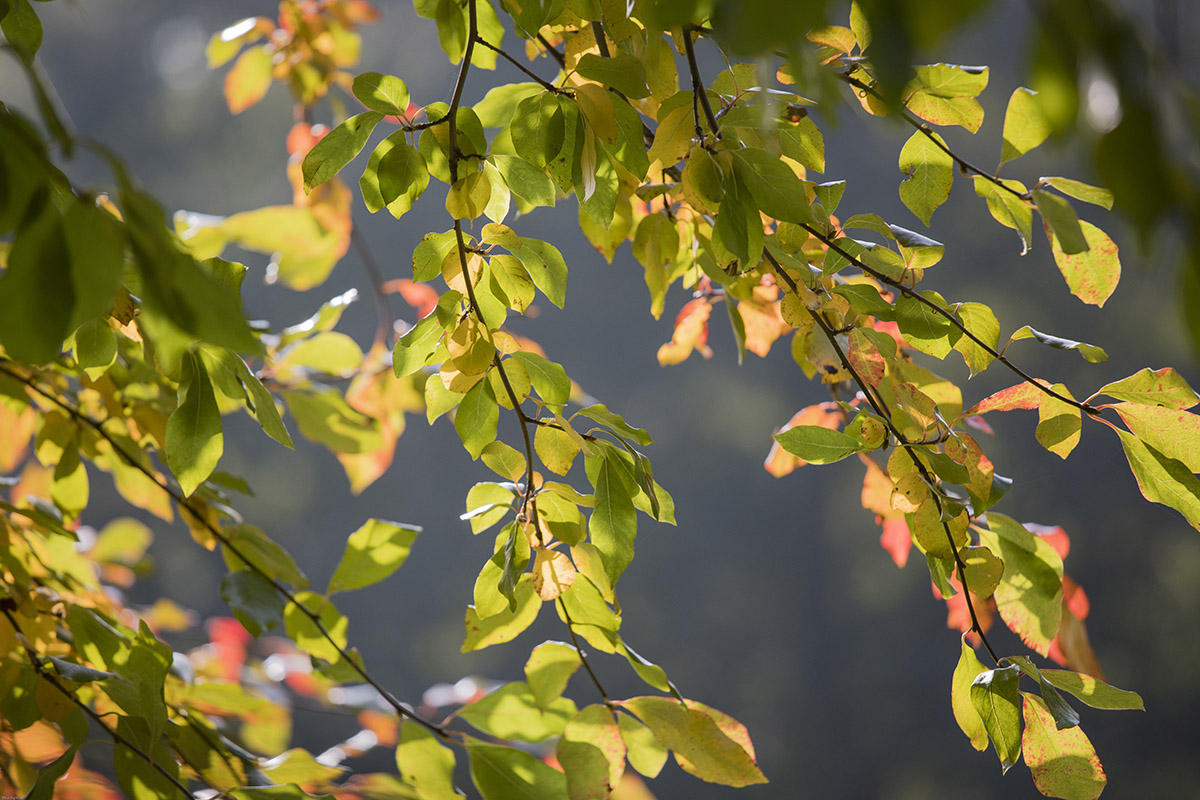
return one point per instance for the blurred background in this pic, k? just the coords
(772, 599)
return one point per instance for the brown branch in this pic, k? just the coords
(908, 446)
(699, 94)
(582, 656)
(553, 51)
(181, 501)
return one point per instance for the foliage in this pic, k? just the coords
(125, 345)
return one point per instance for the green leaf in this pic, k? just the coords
(502, 773)
(477, 417)
(425, 763)
(546, 267)
(307, 635)
(338, 148)
(537, 129)
(402, 175)
(614, 422)
(968, 719)
(1062, 224)
(817, 445)
(775, 188)
(1090, 352)
(549, 668)
(549, 379)
(1064, 715)
(96, 245)
(262, 401)
(383, 93)
(929, 175)
(194, 441)
(980, 321)
(1029, 597)
(498, 105)
(253, 601)
(414, 348)
(324, 416)
(1161, 479)
(1009, 209)
(944, 94)
(289, 792)
(622, 72)
(43, 787)
(373, 552)
(512, 712)
(36, 295)
(997, 702)
(135, 774)
(1093, 691)
(328, 352)
(803, 143)
(556, 448)
(1082, 191)
(592, 753)
(508, 624)
(525, 180)
(1163, 387)
(984, 571)
(1024, 126)
(1171, 432)
(695, 738)
(23, 29)
(1063, 762)
(644, 752)
(613, 524)
(265, 554)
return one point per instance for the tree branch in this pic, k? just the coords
(880, 409)
(549, 87)
(582, 656)
(699, 94)
(219, 535)
(386, 327)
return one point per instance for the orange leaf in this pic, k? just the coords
(691, 333)
(762, 320)
(249, 79)
(1023, 395)
(896, 539)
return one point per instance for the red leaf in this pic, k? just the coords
(420, 296)
(1023, 395)
(896, 539)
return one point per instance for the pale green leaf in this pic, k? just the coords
(1063, 762)
(194, 440)
(929, 175)
(337, 148)
(373, 552)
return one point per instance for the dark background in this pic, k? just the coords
(771, 600)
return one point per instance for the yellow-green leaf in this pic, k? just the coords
(1093, 274)
(373, 552)
(194, 440)
(1024, 125)
(1063, 762)
(968, 719)
(929, 174)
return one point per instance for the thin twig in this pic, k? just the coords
(549, 87)
(582, 656)
(387, 323)
(908, 446)
(553, 51)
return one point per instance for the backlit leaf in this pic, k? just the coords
(549, 667)
(425, 763)
(1082, 191)
(506, 625)
(969, 667)
(194, 439)
(502, 773)
(622, 72)
(693, 735)
(1063, 762)
(1163, 387)
(1090, 352)
(929, 174)
(373, 552)
(1059, 423)
(997, 702)
(477, 417)
(613, 524)
(1029, 596)
(1093, 691)
(1162, 479)
(592, 753)
(1024, 126)
(383, 93)
(512, 712)
(1062, 224)
(338, 148)
(816, 444)
(775, 188)
(1173, 433)
(306, 633)
(1092, 275)
(249, 79)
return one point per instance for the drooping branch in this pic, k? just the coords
(909, 292)
(699, 93)
(881, 409)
